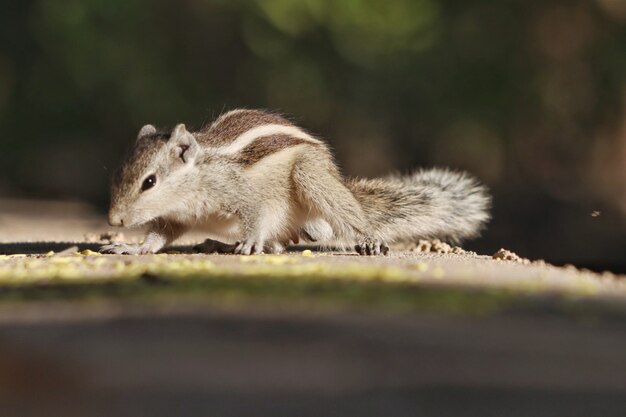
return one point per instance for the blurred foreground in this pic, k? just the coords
(282, 362)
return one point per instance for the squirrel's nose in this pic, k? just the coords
(115, 219)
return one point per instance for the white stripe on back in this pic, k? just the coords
(255, 133)
(226, 116)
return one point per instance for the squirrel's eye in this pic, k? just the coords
(148, 182)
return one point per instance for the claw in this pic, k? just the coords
(371, 247)
(257, 247)
(376, 248)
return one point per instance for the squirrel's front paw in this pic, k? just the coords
(248, 246)
(125, 249)
(371, 247)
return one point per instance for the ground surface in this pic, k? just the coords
(305, 333)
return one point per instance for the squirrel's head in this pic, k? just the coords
(149, 183)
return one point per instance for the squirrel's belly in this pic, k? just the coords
(224, 226)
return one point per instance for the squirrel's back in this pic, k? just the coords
(436, 203)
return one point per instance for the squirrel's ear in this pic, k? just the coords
(147, 130)
(183, 143)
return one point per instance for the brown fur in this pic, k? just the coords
(266, 146)
(128, 175)
(226, 129)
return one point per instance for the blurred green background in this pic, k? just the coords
(528, 95)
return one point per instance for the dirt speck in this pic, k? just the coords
(507, 255)
(437, 246)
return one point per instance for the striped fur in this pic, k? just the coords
(255, 178)
(263, 146)
(254, 135)
(230, 126)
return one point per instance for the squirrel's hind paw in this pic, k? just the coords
(249, 247)
(371, 247)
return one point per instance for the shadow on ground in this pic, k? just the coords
(35, 248)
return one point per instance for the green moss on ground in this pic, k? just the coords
(304, 281)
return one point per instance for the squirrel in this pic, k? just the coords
(254, 177)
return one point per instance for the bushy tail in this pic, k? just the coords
(433, 203)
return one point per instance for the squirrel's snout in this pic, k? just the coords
(115, 219)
